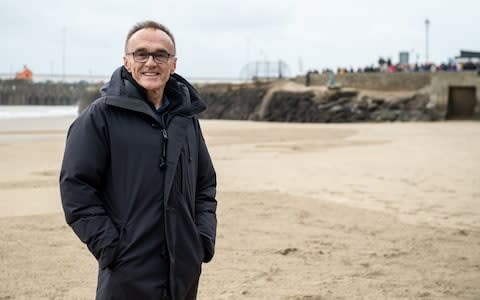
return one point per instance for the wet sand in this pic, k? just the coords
(306, 211)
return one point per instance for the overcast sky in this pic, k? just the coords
(217, 38)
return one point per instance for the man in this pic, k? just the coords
(137, 182)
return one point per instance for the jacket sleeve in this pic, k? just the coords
(205, 202)
(85, 161)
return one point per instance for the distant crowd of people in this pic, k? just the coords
(386, 65)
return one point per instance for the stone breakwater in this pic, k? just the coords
(290, 102)
(355, 98)
(18, 92)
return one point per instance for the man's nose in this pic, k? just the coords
(150, 60)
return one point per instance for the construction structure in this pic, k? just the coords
(25, 74)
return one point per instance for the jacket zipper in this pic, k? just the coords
(163, 158)
(188, 150)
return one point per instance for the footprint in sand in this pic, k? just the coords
(30, 184)
(46, 173)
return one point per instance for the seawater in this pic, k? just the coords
(37, 111)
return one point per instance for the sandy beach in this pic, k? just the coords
(305, 211)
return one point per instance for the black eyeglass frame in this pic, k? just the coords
(143, 56)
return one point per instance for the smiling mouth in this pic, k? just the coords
(150, 73)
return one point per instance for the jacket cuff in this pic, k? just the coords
(107, 257)
(208, 249)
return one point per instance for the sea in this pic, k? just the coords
(37, 111)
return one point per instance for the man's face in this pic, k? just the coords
(150, 74)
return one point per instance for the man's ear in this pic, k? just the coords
(174, 66)
(126, 63)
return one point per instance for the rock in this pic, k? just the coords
(264, 103)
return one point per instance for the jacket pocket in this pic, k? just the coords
(177, 186)
(200, 246)
(183, 177)
(110, 254)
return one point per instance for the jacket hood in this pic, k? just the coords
(184, 98)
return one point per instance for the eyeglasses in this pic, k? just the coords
(160, 57)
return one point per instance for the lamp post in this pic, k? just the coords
(64, 47)
(427, 25)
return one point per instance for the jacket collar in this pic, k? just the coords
(124, 92)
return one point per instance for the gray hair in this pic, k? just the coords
(149, 24)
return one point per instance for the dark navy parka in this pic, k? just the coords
(141, 192)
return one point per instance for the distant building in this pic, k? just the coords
(468, 60)
(265, 70)
(469, 55)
